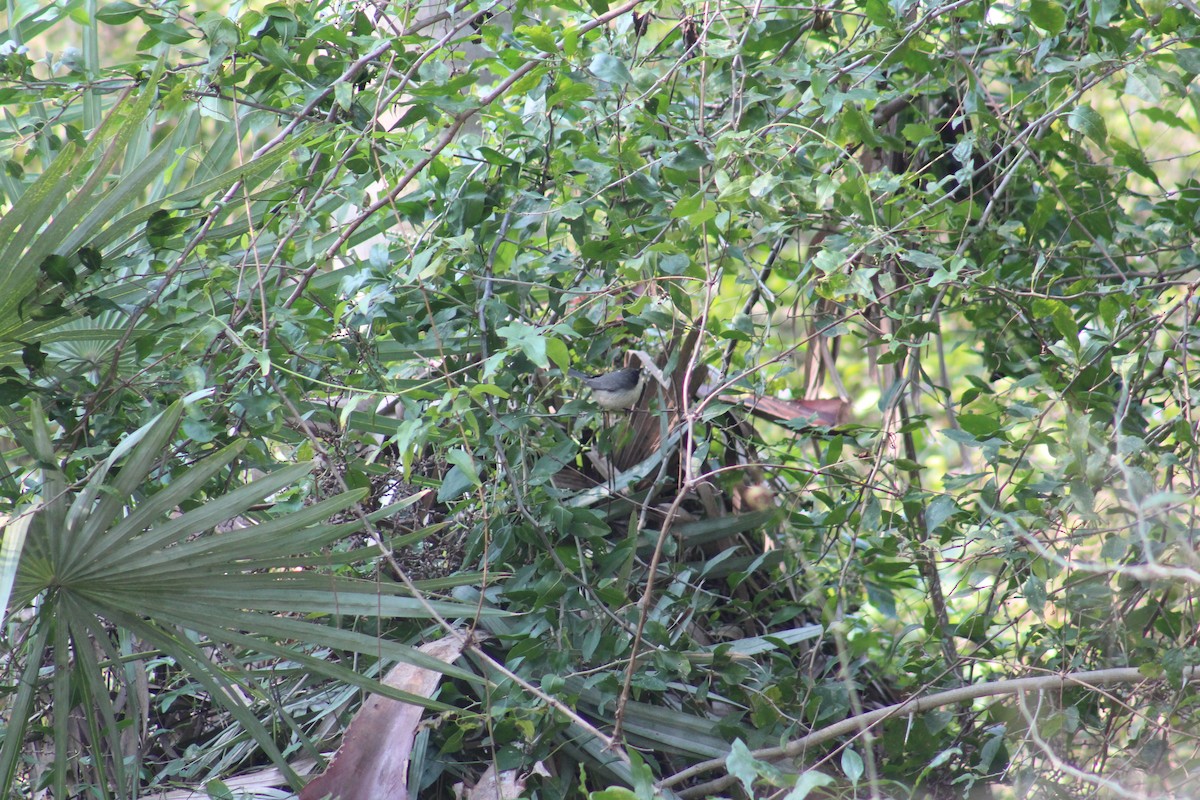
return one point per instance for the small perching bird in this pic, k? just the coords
(614, 390)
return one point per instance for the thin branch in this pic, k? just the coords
(1063, 766)
(1092, 679)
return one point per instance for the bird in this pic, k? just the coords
(614, 390)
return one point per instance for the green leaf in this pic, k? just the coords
(456, 483)
(102, 501)
(1086, 121)
(541, 36)
(1152, 670)
(170, 33)
(462, 459)
(570, 93)
(748, 769)
(1110, 309)
(1061, 317)
(743, 766)
(1048, 15)
(557, 352)
(131, 569)
(763, 184)
(918, 132)
(979, 425)
(58, 268)
(610, 68)
(687, 206)
(613, 793)
(643, 776)
(1188, 58)
(118, 13)
(879, 12)
(1053, 64)
(1035, 593)
(1143, 84)
(1128, 156)
(940, 509)
(927, 261)
(1165, 117)
(808, 780)
(852, 764)
(550, 464)
(689, 156)
(59, 203)
(343, 94)
(528, 339)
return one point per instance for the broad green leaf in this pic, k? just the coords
(530, 340)
(118, 13)
(940, 509)
(1086, 121)
(1143, 83)
(463, 460)
(808, 780)
(1060, 315)
(541, 36)
(750, 770)
(610, 68)
(1133, 158)
(1048, 15)
(852, 764)
(1188, 58)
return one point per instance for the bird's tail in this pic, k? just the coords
(574, 373)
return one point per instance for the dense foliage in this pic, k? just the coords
(290, 292)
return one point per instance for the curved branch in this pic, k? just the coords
(1092, 679)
